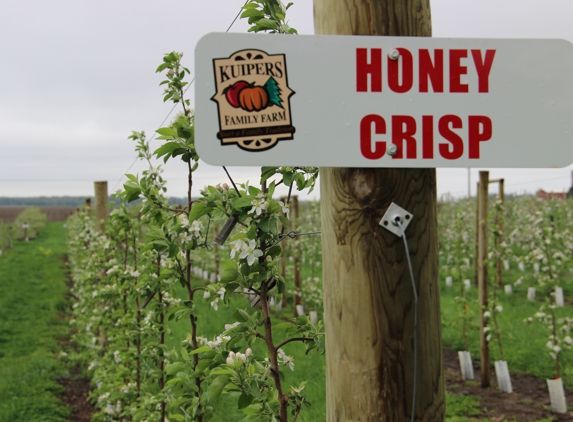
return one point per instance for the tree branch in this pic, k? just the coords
(289, 340)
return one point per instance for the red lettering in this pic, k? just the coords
(455, 149)
(404, 129)
(366, 137)
(480, 129)
(457, 70)
(427, 136)
(374, 69)
(432, 71)
(483, 67)
(407, 72)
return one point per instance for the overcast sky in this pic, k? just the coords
(77, 76)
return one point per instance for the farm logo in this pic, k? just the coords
(252, 96)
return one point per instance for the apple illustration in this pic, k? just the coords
(232, 92)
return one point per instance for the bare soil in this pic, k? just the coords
(75, 397)
(528, 402)
(77, 387)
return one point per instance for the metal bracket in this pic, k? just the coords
(393, 214)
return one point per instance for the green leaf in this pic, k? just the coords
(222, 372)
(229, 275)
(287, 178)
(167, 131)
(198, 210)
(229, 264)
(174, 367)
(167, 148)
(200, 350)
(244, 400)
(173, 381)
(244, 201)
(184, 354)
(266, 24)
(216, 387)
(201, 366)
(241, 316)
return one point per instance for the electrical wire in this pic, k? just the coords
(174, 105)
(398, 222)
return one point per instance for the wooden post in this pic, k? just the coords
(101, 199)
(296, 253)
(368, 295)
(483, 275)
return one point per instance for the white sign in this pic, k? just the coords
(365, 101)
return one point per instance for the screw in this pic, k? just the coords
(385, 222)
(391, 150)
(394, 55)
(407, 217)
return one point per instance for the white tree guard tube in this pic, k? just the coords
(557, 395)
(466, 365)
(559, 299)
(503, 378)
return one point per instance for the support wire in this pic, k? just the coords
(398, 222)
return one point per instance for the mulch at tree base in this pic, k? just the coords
(529, 401)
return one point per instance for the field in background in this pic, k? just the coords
(9, 213)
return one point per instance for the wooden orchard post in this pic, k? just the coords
(482, 274)
(101, 199)
(368, 295)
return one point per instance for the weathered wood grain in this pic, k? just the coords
(368, 297)
(483, 278)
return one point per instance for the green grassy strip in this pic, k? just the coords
(524, 345)
(32, 288)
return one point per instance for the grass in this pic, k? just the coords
(524, 345)
(460, 407)
(31, 293)
(32, 288)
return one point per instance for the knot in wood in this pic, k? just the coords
(362, 185)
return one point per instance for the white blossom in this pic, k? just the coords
(259, 205)
(236, 246)
(285, 208)
(250, 252)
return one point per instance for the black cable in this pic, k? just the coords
(398, 222)
(176, 104)
(232, 181)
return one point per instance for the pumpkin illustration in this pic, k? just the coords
(253, 98)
